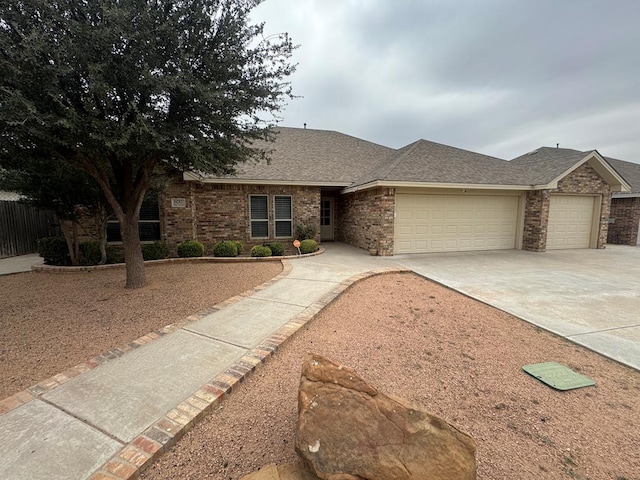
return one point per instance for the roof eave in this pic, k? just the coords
(195, 177)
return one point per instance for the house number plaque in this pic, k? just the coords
(178, 202)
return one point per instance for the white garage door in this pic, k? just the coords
(570, 221)
(454, 223)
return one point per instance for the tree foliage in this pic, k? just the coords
(119, 87)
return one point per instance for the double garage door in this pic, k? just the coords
(456, 223)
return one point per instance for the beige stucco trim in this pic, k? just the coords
(625, 195)
(440, 186)
(600, 165)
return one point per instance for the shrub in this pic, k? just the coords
(155, 251)
(225, 249)
(307, 232)
(260, 251)
(277, 249)
(54, 251)
(190, 248)
(308, 246)
(115, 254)
(90, 253)
(239, 246)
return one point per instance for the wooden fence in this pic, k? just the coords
(21, 226)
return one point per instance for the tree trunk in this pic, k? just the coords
(69, 234)
(136, 277)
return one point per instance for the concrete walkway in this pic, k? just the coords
(19, 264)
(105, 421)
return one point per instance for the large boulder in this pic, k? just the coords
(347, 429)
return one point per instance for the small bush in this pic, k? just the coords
(305, 232)
(54, 251)
(225, 249)
(308, 246)
(115, 254)
(190, 248)
(260, 251)
(155, 251)
(277, 249)
(90, 253)
(239, 246)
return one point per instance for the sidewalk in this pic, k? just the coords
(19, 264)
(115, 416)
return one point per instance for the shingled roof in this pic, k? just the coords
(328, 158)
(430, 162)
(630, 172)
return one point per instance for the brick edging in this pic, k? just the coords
(163, 434)
(152, 263)
(34, 391)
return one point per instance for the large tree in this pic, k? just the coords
(119, 88)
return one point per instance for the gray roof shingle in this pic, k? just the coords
(546, 164)
(629, 171)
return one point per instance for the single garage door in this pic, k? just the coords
(570, 221)
(454, 223)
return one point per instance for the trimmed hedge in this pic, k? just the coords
(54, 251)
(308, 246)
(190, 248)
(277, 249)
(260, 251)
(239, 246)
(307, 232)
(90, 253)
(155, 251)
(225, 249)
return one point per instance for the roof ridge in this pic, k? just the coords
(392, 165)
(337, 133)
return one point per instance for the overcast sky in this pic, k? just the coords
(499, 77)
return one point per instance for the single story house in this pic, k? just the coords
(425, 197)
(624, 224)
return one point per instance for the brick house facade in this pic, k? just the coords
(625, 218)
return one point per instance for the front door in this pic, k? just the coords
(326, 219)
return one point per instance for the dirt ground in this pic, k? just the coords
(451, 355)
(50, 321)
(444, 352)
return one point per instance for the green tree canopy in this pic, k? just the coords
(118, 88)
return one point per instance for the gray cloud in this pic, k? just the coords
(497, 76)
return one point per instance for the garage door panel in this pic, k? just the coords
(570, 221)
(455, 223)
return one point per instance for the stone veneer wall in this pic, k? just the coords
(626, 212)
(215, 212)
(365, 219)
(582, 181)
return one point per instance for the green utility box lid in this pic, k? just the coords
(558, 376)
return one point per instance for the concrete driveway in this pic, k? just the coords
(591, 297)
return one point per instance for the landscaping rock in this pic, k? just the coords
(281, 472)
(347, 429)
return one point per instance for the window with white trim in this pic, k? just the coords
(259, 216)
(283, 215)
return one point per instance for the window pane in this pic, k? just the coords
(259, 228)
(259, 209)
(113, 232)
(284, 228)
(149, 231)
(149, 209)
(283, 208)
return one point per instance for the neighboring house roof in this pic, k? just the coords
(301, 156)
(631, 173)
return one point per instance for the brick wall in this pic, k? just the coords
(536, 221)
(583, 180)
(626, 212)
(215, 212)
(365, 219)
